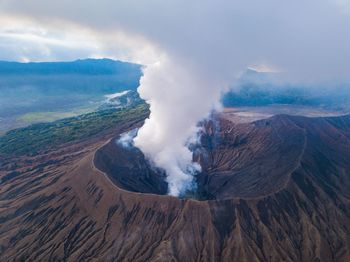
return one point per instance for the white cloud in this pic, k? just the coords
(26, 39)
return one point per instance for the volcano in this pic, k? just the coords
(275, 189)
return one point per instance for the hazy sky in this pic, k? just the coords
(307, 38)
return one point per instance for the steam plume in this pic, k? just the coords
(126, 139)
(179, 97)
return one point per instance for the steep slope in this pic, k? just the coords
(128, 169)
(279, 190)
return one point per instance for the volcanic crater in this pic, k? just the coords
(238, 160)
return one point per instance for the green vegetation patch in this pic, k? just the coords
(40, 117)
(32, 139)
(44, 116)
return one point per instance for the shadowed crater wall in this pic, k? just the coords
(129, 170)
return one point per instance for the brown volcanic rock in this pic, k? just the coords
(249, 160)
(281, 188)
(128, 169)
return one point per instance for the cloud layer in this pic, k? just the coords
(295, 36)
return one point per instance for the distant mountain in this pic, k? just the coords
(265, 88)
(81, 75)
(85, 66)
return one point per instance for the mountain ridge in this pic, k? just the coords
(87, 66)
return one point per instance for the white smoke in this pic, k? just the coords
(179, 97)
(126, 139)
